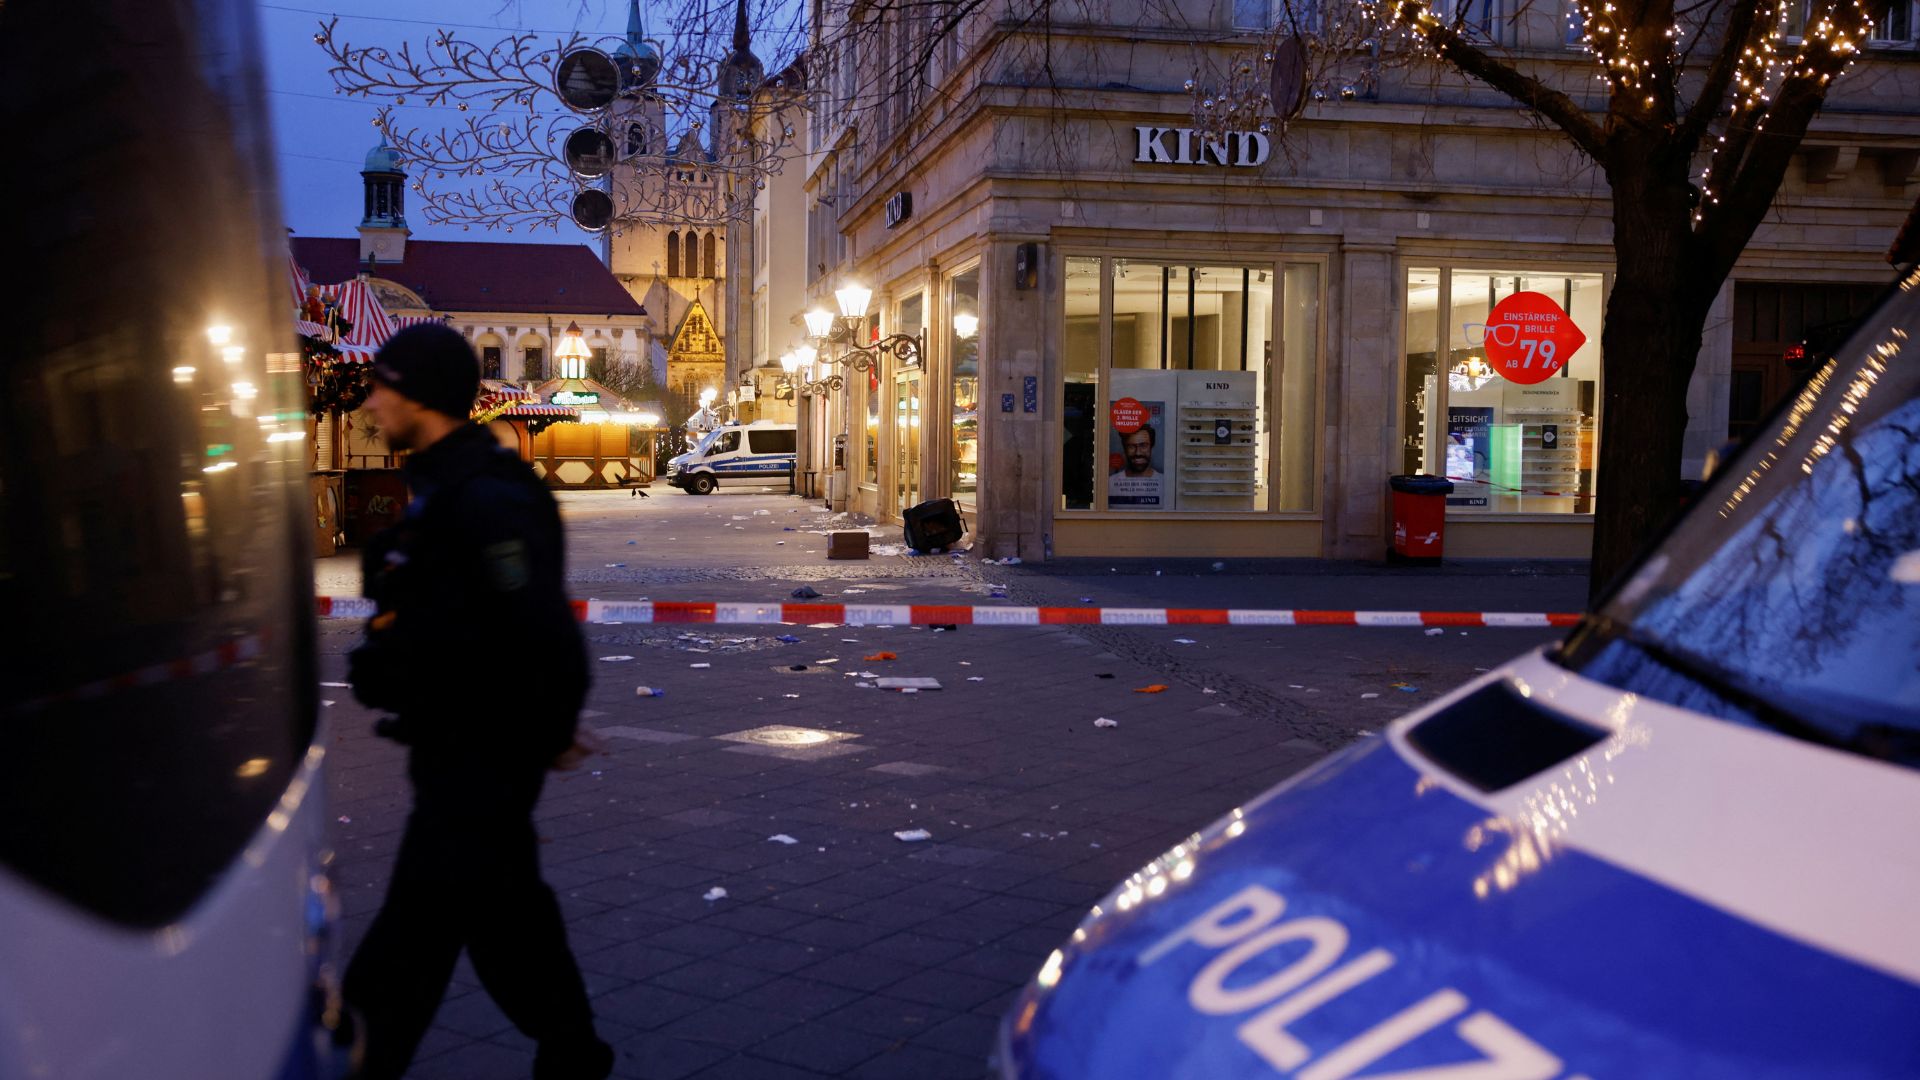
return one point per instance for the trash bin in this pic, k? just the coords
(1419, 518)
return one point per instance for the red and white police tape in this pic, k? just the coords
(723, 614)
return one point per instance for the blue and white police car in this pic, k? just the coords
(753, 453)
(1684, 843)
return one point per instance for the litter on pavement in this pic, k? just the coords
(781, 838)
(1436, 631)
(1104, 722)
(806, 592)
(911, 683)
(1184, 641)
(614, 659)
(648, 691)
(699, 665)
(1156, 688)
(715, 893)
(883, 656)
(913, 835)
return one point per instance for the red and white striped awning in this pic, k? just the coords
(372, 326)
(310, 328)
(298, 281)
(532, 409)
(401, 322)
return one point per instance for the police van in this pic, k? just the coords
(166, 910)
(736, 453)
(1679, 844)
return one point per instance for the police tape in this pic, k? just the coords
(228, 654)
(726, 614)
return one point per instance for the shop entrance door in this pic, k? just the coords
(906, 440)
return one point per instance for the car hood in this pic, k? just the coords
(1686, 898)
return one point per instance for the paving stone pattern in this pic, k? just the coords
(850, 952)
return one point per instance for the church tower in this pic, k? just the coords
(676, 268)
(383, 225)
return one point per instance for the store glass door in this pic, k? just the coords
(906, 440)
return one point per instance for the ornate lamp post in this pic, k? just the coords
(839, 338)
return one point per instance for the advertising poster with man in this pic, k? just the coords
(1137, 470)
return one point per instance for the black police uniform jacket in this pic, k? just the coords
(474, 643)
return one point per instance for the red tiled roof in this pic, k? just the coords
(457, 275)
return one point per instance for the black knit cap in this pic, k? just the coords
(432, 364)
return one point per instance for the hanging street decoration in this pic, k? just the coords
(548, 130)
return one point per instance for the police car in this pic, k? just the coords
(1685, 843)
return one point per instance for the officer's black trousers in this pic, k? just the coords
(467, 875)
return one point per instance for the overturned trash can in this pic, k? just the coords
(1419, 519)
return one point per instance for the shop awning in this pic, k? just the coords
(532, 409)
(298, 281)
(495, 397)
(310, 328)
(371, 325)
(401, 322)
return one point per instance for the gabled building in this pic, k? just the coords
(511, 300)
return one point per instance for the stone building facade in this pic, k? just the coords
(1145, 342)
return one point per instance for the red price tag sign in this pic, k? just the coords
(1529, 337)
(1128, 415)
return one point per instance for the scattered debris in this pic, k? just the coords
(788, 638)
(1104, 675)
(883, 656)
(913, 835)
(344, 819)
(781, 838)
(1104, 722)
(1208, 690)
(341, 685)
(648, 691)
(715, 893)
(1184, 641)
(614, 659)
(806, 592)
(615, 565)
(1219, 566)
(1436, 632)
(1364, 697)
(699, 665)
(976, 678)
(906, 685)
(1156, 688)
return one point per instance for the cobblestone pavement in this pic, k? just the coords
(837, 949)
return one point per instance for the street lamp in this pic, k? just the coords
(572, 353)
(848, 331)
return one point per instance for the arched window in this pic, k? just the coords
(708, 264)
(693, 253)
(673, 254)
(636, 139)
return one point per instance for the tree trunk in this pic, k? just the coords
(1649, 345)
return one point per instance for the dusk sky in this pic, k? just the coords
(323, 138)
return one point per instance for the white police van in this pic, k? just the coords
(166, 910)
(1680, 844)
(736, 453)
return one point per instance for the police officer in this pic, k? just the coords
(479, 551)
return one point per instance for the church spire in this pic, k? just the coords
(742, 40)
(636, 26)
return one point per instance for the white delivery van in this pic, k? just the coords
(752, 453)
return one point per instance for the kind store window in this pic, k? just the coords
(1507, 408)
(1174, 396)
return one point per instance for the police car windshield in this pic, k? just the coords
(1790, 597)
